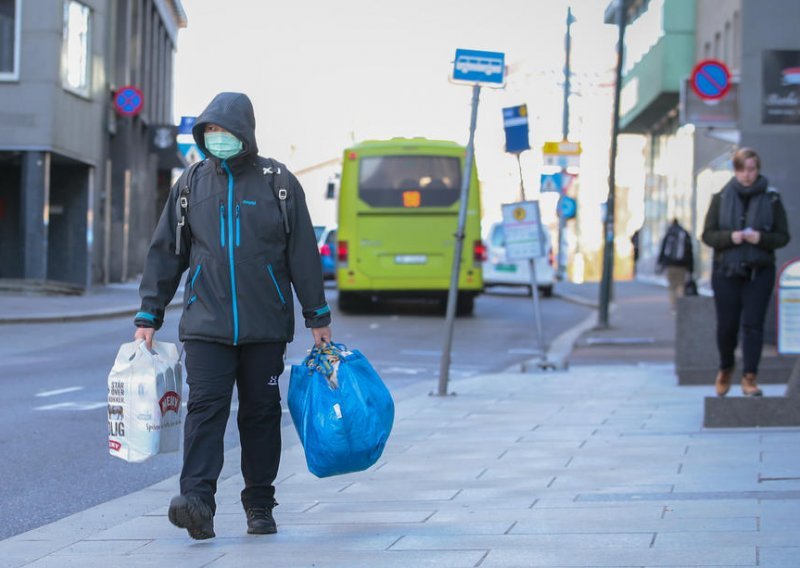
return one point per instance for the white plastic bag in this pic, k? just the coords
(144, 401)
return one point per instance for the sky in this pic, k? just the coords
(323, 75)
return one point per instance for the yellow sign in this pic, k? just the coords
(562, 148)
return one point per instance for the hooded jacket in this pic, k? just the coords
(241, 262)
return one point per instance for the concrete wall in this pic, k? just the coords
(775, 29)
(38, 113)
(722, 18)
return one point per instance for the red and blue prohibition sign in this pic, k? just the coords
(711, 80)
(128, 100)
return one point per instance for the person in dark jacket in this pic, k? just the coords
(677, 257)
(745, 223)
(245, 242)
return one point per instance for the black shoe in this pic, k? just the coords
(260, 521)
(193, 514)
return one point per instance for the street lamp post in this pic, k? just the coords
(608, 225)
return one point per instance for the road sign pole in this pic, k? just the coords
(562, 222)
(452, 295)
(537, 314)
(521, 181)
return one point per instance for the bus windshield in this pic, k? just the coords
(409, 181)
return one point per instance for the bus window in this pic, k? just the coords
(383, 180)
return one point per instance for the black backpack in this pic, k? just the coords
(677, 247)
(269, 167)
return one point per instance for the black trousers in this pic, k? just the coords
(742, 301)
(212, 369)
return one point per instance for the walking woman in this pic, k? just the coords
(745, 223)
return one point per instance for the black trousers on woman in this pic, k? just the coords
(741, 301)
(212, 369)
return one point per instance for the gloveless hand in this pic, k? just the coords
(753, 237)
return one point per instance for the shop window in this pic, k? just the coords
(9, 39)
(77, 47)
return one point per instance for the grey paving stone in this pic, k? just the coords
(705, 539)
(178, 559)
(600, 557)
(334, 559)
(530, 542)
(779, 556)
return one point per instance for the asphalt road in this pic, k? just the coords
(53, 424)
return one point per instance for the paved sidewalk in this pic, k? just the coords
(602, 464)
(33, 306)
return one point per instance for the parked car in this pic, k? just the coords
(499, 271)
(326, 241)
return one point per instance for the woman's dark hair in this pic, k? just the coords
(742, 155)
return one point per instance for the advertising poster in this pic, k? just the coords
(781, 82)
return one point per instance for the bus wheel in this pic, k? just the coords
(348, 302)
(465, 304)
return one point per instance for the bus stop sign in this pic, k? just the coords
(479, 67)
(789, 308)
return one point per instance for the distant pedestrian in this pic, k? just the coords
(635, 245)
(239, 223)
(745, 223)
(677, 258)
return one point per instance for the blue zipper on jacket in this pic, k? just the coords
(235, 306)
(278, 288)
(221, 225)
(237, 225)
(191, 285)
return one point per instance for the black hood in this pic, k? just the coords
(234, 113)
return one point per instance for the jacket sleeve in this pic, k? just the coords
(162, 268)
(713, 236)
(779, 236)
(304, 262)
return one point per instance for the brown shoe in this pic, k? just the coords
(723, 382)
(749, 386)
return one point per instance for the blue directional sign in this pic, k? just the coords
(567, 207)
(186, 125)
(710, 80)
(551, 182)
(481, 67)
(186, 144)
(515, 123)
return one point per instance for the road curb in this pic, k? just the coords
(78, 316)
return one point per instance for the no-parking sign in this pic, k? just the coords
(710, 79)
(128, 101)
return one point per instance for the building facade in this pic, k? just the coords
(689, 143)
(80, 181)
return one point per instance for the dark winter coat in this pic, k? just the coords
(242, 263)
(735, 208)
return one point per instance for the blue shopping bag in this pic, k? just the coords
(341, 409)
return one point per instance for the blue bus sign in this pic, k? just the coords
(479, 67)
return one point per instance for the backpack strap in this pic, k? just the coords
(182, 204)
(280, 183)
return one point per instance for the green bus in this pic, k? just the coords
(398, 215)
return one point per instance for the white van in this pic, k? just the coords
(499, 271)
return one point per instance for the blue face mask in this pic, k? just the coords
(223, 145)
